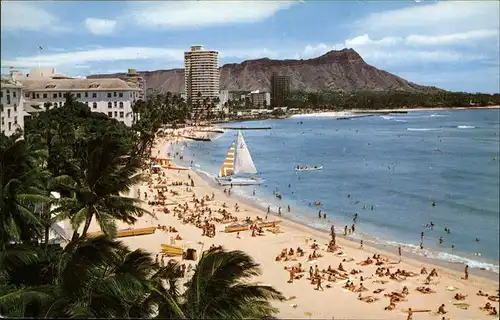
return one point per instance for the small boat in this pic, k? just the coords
(238, 165)
(268, 223)
(237, 227)
(308, 168)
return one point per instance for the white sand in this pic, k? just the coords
(332, 302)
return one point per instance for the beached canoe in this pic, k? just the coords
(268, 224)
(125, 233)
(171, 250)
(237, 227)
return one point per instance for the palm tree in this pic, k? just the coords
(107, 172)
(219, 288)
(21, 190)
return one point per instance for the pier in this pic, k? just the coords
(247, 128)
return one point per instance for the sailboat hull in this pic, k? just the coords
(228, 181)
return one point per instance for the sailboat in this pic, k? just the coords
(238, 165)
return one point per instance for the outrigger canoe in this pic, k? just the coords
(125, 233)
(171, 250)
(237, 227)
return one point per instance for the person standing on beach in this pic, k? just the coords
(399, 251)
(352, 228)
(332, 231)
(345, 231)
(355, 218)
(319, 214)
(288, 208)
(279, 211)
(361, 242)
(253, 192)
(311, 272)
(410, 314)
(268, 209)
(318, 283)
(466, 271)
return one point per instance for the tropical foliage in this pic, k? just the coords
(91, 162)
(339, 100)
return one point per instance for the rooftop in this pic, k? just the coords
(80, 84)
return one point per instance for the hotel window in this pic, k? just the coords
(120, 94)
(8, 91)
(10, 126)
(114, 94)
(8, 99)
(110, 105)
(45, 96)
(15, 120)
(121, 114)
(26, 94)
(54, 95)
(33, 95)
(109, 94)
(86, 94)
(94, 105)
(8, 113)
(110, 114)
(38, 96)
(55, 104)
(3, 121)
(60, 95)
(116, 113)
(116, 104)
(121, 105)
(13, 94)
(78, 95)
(94, 95)
(15, 107)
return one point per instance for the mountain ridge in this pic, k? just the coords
(335, 70)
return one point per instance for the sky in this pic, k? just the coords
(453, 45)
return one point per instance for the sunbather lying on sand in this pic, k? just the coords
(487, 307)
(379, 290)
(391, 306)
(459, 297)
(366, 262)
(425, 290)
(482, 294)
(368, 299)
(493, 298)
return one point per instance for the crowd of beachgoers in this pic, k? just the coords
(322, 274)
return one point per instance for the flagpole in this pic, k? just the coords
(40, 48)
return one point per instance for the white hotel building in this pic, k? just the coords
(26, 95)
(113, 97)
(11, 106)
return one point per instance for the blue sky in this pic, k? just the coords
(450, 44)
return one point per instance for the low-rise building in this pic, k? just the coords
(113, 97)
(260, 99)
(11, 106)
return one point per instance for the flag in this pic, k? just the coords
(40, 48)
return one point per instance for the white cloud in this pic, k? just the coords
(81, 58)
(455, 38)
(100, 26)
(442, 17)
(181, 14)
(20, 15)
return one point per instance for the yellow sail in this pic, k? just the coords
(228, 165)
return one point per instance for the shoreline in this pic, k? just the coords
(386, 248)
(302, 298)
(354, 112)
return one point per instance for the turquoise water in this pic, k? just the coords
(399, 164)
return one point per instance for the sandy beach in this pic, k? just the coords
(189, 200)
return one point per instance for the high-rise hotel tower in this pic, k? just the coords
(201, 70)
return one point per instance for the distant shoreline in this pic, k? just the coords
(354, 112)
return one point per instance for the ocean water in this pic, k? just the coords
(399, 164)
